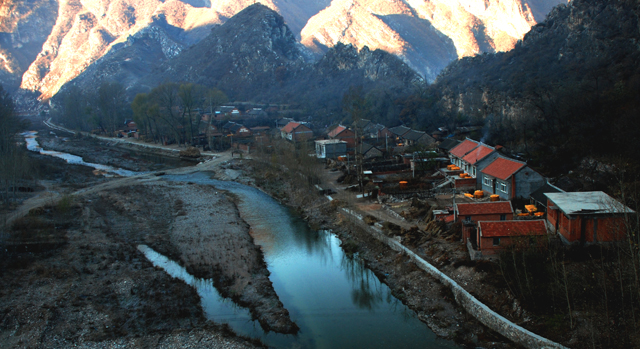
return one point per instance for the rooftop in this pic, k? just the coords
(588, 202)
(477, 154)
(539, 196)
(463, 148)
(362, 123)
(290, 127)
(399, 130)
(497, 207)
(336, 131)
(503, 168)
(448, 144)
(366, 147)
(414, 135)
(330, 141)
(512, 228)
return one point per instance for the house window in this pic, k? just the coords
(496, 241)
(487, 181)
(474, 171)
(503, 217)
(467, 218)
(503, 187)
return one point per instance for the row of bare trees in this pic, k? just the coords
(14, 164)
(169, 112)
(105, 109)
(173, 111)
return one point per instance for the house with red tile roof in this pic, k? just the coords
(484, 211)
(510, 179)
(296, 132)
(343, 133)
(471, 213)
(459, 151)
(493, 237)
(473, 157)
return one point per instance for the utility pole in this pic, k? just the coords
(413, 168)
(386, 142)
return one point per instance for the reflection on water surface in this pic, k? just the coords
(335, 299)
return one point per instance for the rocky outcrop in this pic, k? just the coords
(255, 56)
(242, 54)
(425, 34)
(24, 27)
(584, 41)
(86, 31)
(569, 84)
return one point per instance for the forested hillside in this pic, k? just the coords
(567, 91)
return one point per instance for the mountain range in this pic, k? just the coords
(46, 43)
(565, 93)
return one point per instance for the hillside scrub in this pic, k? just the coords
(587, 296)
(568, 90)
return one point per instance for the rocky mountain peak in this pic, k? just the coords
(263, 27)
(46, 43)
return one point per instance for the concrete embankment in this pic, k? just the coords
(472, 305)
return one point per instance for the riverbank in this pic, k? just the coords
(433, 302)
(76, 253)
(71, 276)
(115, 153)
(119, 206)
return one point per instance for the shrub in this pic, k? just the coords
(64, 205)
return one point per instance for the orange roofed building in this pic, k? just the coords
(296, 132)
(510, 179)
(492, 237)
(459, 151)
(344, 134)
(470, 160)
(485, 211)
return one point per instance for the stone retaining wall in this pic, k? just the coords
(472, 305)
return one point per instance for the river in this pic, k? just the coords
(32, 145)
(334, 298)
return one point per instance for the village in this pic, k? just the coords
(460, 230)
(496, 197)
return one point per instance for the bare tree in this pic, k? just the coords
(14, 164)
(111, 106)
(167, 100)
(192, 98)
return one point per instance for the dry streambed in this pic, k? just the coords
(91, 285)
(201, 229)
(214, 242)
(94, 289)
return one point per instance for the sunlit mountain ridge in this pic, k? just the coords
(46, 43)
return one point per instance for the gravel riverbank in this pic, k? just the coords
(71, 274)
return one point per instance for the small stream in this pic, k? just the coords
(33, 145)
